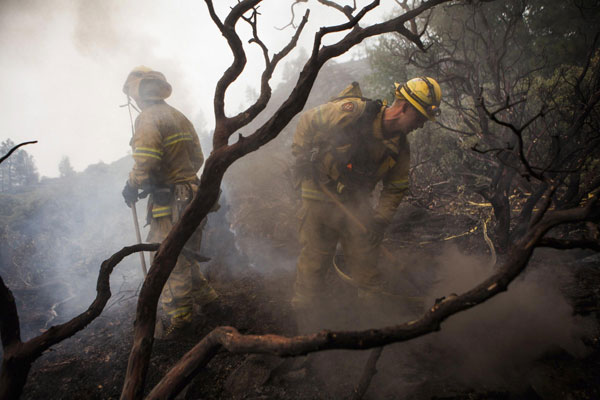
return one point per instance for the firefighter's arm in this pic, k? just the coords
(395, 185)
(147, 151)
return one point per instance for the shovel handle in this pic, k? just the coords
(139, 238)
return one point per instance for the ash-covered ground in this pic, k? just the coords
(539, 340)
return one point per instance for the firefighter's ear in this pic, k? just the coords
(395, 110)
(404, 105)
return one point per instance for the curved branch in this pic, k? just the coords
(233, 341)
(368, 372)
(235, 69)
(565, 244)
(248, 115)
(291, 23)
(14, 149)
(353, 21)
(220, 159)
(19, 356)
(230, 339)
(346, 10)
(517, 131)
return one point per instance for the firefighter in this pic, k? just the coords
(167, 156)
(343, 149)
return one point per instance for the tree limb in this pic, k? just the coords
(231, 340)
(221, 158)
(369, 371)
(19, 356)
(14, 149)
(565, 244)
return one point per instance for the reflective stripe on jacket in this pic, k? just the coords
(165, 147)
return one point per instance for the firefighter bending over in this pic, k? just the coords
(343, 149)
(167, 156)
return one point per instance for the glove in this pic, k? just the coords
(376, 230)
(130, 194)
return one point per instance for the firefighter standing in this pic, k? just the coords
(343, 149)
(167, 156)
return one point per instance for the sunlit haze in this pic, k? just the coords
(64, 63)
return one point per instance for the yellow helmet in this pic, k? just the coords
(423, 93)
(147, 84)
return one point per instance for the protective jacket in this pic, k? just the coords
(166, 150)
(341, 150)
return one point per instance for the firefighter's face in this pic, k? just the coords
(402, 117)
(414, 119)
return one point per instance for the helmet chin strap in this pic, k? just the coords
(129, 105)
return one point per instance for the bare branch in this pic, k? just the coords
(367, 375)
(230, 339)
(338, 28)
(14, 149)
(291, 23)
(235, 69)
(346, 10)
(221, 158)
(405, 7)
(18, 356)
(517, 131)
(546, 201)
(246, 116)
(565, 244)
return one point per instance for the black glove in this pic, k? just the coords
(376, 230)
(130, 194)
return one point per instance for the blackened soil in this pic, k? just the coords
(92, 364)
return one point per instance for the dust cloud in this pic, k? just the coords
(493, 346)
(70, 225)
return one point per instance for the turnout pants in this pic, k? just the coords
(186, 284)
(323, 225)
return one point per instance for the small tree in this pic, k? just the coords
(65, 169)
(18, 170)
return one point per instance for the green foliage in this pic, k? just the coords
(521, 60)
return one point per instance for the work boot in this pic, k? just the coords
(169, 330)
(159, 328)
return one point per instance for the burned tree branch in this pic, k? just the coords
(346, 10)
(291, 23)
(9, 323)
(230, 339)
(4, 157)
(227, 29)
(221, 158)
(19, 356)
(338, 28)
(518, 133)
(245, 117)
(369, 371)
(565, 244)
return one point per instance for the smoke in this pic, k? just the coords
(494, 346)
(68, 227)
(510, 331)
